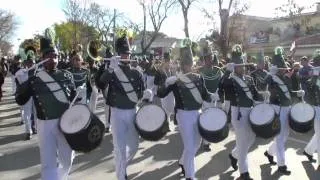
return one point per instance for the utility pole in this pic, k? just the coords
(114, 28)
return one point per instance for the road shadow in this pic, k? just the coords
(95, 157)
(13, 108)
(159, 173)
(22, 159)
(15, 115)
(33, 177)
(7, 102)
(163, 151)
(311, 172)
(11, 138)
(266, 173)
(10, 125)
(215, 166)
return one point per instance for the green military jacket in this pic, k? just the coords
(117, 96)
(312, 95)
(184, 99)
(280, 92)
(80, 76)
(212, 77)
(51, 92)
(237, 93)
(260, 76)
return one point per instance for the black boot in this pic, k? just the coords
(206, 147)
(270, 158)
(310, 157)
(318, 169)
(244, 176)
(126, 176)
(107, 129)
(28, 136)
(234, 162)
(284, 170)
(182, 170)
(188, 178)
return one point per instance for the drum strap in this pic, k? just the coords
(282, 86)
(54, 87)
(192, 87)
(243, 85)
(126, 84)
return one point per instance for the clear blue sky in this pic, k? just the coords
(36, 15)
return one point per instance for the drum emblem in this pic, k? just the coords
(94, 134)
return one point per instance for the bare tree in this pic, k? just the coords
(157, 11)
(185, 6)
(5, 48)
(8, 25)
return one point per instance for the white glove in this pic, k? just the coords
(81, 89)
(300, 93)
(171, 80)
(266, 94)
(273, 70)
(147, 94)
(214, 97)
(114, 62)
(206, 105)
(230, 67)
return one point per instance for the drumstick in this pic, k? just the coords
(75, 97)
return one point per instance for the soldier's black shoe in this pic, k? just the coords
(310, 157)
(284, 170)
(206, 147)
(188, 178)
(107, 129)
(126, 177)
(182, 170)
(34, 131)
(28, 136)
(318, 169)
(244, 176)
(21, 123)
(234, 162)
(270, 158)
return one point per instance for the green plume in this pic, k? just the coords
(50, 34)
(279, 50)
(237, 50)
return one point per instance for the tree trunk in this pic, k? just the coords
(224, 17)
(143, 37)
(186, 22)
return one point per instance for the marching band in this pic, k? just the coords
(58, 101)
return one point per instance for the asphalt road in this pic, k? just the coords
(20, 159)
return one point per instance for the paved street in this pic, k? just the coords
(20, 159)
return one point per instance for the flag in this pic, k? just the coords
(293, 46)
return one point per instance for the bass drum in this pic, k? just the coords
(301, 117)
(83, 130)
(151, 122)
(264, 121)
(213, 125)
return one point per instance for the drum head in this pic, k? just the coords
(262, 114)
(302, 112)
(213, 119)
(150, 117)
(75, 119)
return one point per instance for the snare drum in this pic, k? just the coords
(301, 117)
(82, 129)
(264, 121)
(213, 125)
(151, 122)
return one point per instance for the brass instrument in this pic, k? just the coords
(97, 51)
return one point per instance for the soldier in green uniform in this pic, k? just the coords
(280, 87)
(260, 74)
(313, 98)
(125, 89)
(189, 92)
(211, 74)
(243, 95)
(80, 76)
(52, 90)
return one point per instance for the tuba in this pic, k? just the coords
(97, 51)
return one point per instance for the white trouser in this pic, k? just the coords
(277, 147)
(245, 137)
(314, 144)
(188, 128)
(125, 138)
(93, 99)
(27, 112)
(107, 114)
(13, 83)
(53, 147)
